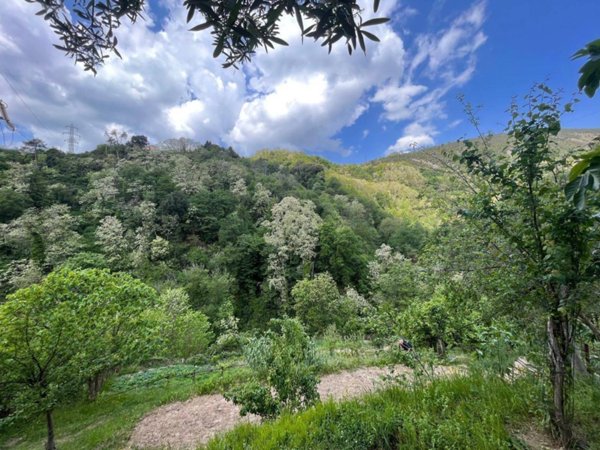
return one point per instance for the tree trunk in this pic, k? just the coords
(95, 384)
(560, 340)
(579, 365)
(50, 444)
(440, 347)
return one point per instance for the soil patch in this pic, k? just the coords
(185, 425)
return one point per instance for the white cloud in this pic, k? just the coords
(447, 59)
(304, 96)
(169, 85)
(415, 136)
(146, 91)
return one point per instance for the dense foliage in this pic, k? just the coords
(285, 369)
(184, 255)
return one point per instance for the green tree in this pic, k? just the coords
(342, 253)
(239, 27)
(406, 237)
(185, 331)
(72, 327)
(519, 197)
(442, 320)
(285, 369)
(208, 291)
(317, 303)
(394, 278)
(12, 204)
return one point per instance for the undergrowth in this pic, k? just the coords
(457, 413)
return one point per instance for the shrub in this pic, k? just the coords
(285, 370)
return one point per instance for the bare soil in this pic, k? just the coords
(537, 439)
(185, 425)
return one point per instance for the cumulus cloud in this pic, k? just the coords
(169, 85)
(148, 91)
(304, 96)
(415, 136)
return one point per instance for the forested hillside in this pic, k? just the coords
(186, 255)
(207, 220)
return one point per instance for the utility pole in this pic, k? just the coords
(72, 138)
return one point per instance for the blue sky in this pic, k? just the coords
(527, 42)
(401, 95)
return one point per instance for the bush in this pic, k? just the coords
(186, 332)
(285, 370)
(440, 321)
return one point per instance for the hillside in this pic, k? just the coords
(160, 288)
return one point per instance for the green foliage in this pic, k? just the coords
(207, 291)
(590, 71)
(407, 238)
(342, 254)
(12, 204)
(440, 321)
(186, 332)
(469, 412)
(545, 238)
(584, 176)
(498, 348)
(317, 302)
(70, 328)
(157, 377)
(394, 278)
(285, 372)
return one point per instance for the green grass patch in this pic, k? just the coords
(457, 413)
(107, 422)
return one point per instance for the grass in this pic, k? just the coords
(465, 412)
(107, 422)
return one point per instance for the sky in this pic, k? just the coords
(402, 95)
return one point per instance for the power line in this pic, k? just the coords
(4, 115)
(22, 100)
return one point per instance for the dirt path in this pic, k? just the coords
(184, 425)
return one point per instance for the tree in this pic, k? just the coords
(342, 253)
(46, 236)
(239, 27)
(293, 232)
(138, 141)
(316, 302)
(33, 145)
(394, 278)
(185, 331)
(110, 235)
(72, 327)
(442, 320)
(285, 367)
(179, 145)
(519, 197)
